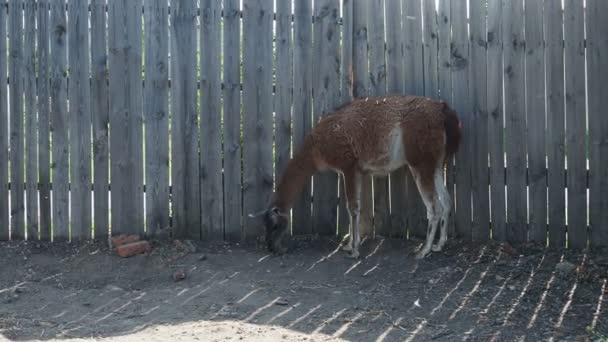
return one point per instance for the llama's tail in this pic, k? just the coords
(453, 128)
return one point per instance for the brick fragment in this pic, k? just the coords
(134, 248)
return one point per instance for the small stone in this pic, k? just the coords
(511, 287)
(281, 302)
(565, 267)
(179, 275)
(499, 278)
(202, 257)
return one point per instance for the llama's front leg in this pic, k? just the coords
(352, 187)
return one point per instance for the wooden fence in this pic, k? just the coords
(131, 116)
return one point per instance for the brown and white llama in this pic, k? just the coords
(373, 136)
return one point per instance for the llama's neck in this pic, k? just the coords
(295, 177)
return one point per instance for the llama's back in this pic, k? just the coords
(364, 130)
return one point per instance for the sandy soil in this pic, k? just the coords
(231, 293)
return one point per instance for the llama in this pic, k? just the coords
(373, 136)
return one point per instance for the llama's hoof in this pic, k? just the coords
(348, 247)
(437, 248)
(354, 254)
(422, 254)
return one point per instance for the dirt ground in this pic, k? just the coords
(468, 292)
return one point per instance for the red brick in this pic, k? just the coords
(124, 239)
(134, 248)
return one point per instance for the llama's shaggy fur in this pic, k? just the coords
(376, 135)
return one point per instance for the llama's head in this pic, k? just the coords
(275, 223)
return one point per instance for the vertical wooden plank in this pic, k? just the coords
(156, 93)
(4, 128)
(184, 135)
(257, 107)
(80, 119)
(395, 79)
(126, 118)
(576, 154)
(346, 96)
(430, 49)
(461, 64)
(16, 70)
(478, 92)
(377, 72)
(515, 119)
(59, 122)
(495, 121)
(444, 83)
(284, 87)
(212, 208)
(597, 88)
(31, 122)
(326, 75)
(302, 105)
(232, 122)
(44, 153)
(535, 109)
(414, 85)
(554, 60)
(361, 89)
(100, 115)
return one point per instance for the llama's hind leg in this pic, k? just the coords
(352, 189)
(446, 204)
(426, 187)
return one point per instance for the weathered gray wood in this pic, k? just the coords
(302, 104)
(361, 88)
(414, 85)
(59, 121)
(186, 198)
(346, 96)
(430, 48)
(284, 87)
(212, 208)
(478, 92)
(326, 77)
(80, 120)
(515, 119)
(44, 153)
(16, 76)
(232, 122)
(126, 117)
(377, 72)
(576, 154)
(597, 50)
(461, 66)
(156, 92)
(495, 121)
(31, 122)
(444, 80)
(4, 128)
(395, 79)
(257, 107)
(554, 60)
(100, 115)
(535, 109)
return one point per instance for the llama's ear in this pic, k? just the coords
(259, 213)
(276, 211)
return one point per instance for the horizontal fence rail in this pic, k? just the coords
(138, 116)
